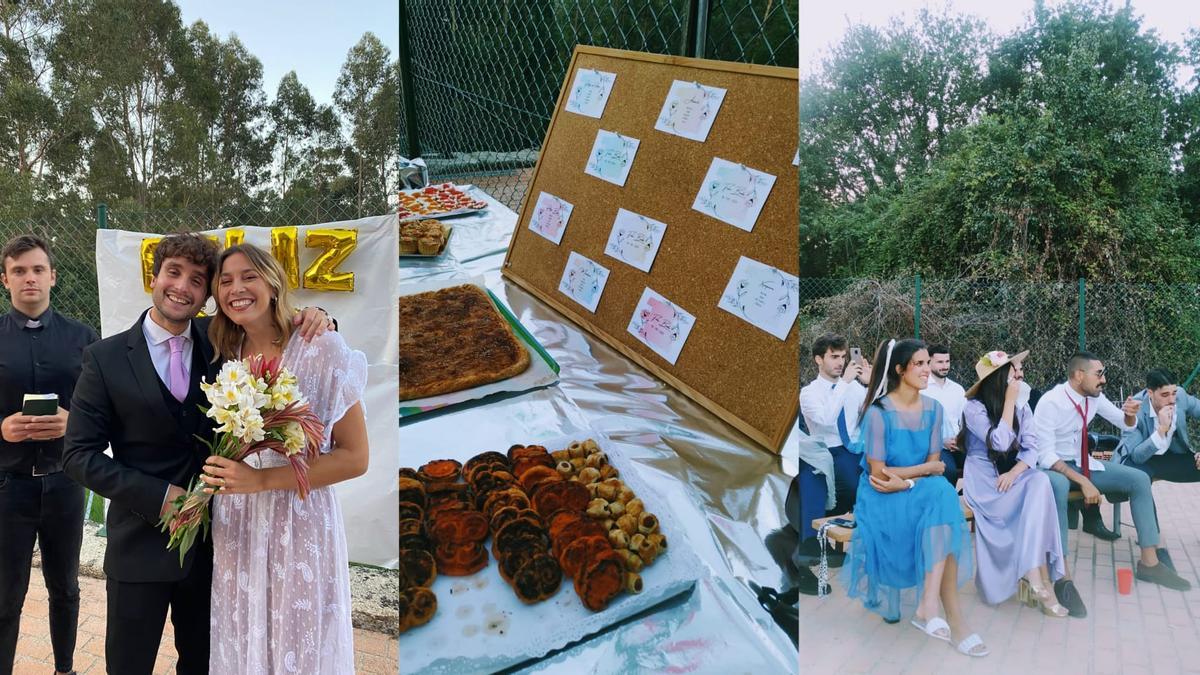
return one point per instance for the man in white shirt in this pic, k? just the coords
(953, 399)
(830, 405)
(1061, 423)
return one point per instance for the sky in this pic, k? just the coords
(311, 37)
(822, 23)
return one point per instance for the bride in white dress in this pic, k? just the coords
(281, 581)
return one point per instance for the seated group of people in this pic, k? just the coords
(891, 439)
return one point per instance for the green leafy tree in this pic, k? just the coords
(368, 95)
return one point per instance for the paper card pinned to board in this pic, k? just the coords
(661, 325)
(733, 193)
(764, 296)
(583, 281)
(612, 157)
(550, 216)
(590, 92)
(690, 110)
(635, 239)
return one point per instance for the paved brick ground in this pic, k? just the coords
(1151, 630)
(375, 653)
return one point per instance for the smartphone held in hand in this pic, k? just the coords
(39, 404)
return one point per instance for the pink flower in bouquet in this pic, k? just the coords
(258, 407)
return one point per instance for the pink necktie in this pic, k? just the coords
(177, 375)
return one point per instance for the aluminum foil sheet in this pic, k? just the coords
(723, 491)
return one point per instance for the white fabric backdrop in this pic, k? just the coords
(367, 319)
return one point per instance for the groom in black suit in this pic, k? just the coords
(140, 391)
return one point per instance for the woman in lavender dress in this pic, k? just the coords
(1016, 524)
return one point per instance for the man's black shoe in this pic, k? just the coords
(1163, 576)
(1068, 596)
(1093, 524)
(810, 554)
(808, 582)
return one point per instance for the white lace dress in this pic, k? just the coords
(281, 582)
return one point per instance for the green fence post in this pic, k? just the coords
(917, 307)
(1195, 371)
(1082, 315)
(406, 86)
(102, 216)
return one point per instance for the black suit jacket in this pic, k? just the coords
(118, 401)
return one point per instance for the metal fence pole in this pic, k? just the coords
(406, 85)
(102, 216)
(696, 35)
(1082, 315)
(917, 307)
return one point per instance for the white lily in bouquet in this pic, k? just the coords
(258, 407)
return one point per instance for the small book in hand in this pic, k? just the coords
(40, 404)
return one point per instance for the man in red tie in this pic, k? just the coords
(1062, 419)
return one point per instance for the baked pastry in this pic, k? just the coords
(413, 491)
(454, 339)
(537, 579)
(601, 580)
(440, 471)
(417, 607)
(460, 560)
(417, 568)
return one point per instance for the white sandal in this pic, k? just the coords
(970, 644)
(931, 627)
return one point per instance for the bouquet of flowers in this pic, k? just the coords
(259, 408)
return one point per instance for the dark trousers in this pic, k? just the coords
(951, 460)
(1174, 467)
(138, 611)
(50, 509)
(814, 491)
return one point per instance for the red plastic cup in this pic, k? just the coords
(1124, 581)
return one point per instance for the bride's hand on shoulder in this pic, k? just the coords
(226, 476)
(312, 322)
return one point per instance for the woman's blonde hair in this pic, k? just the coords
(225, 335)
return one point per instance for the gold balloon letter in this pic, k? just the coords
(147, 256)
(234, 237)
(286, 251)
(338, 245)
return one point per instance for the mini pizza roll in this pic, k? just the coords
(634, 507)
(630, 560)
(608, 471)
(636, 541)
(633, 582)
(658, 540)
(616, 509)
(589, 475)
(598, 509)
(628, 524)
(564, 467)
(561, 455)
(625, 495)
(606, 491)
(618, 539)
(595, 460)
(590, 445)
(647, 523)
(576, 450)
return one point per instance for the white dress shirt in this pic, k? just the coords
(820, 402)
(1163, 443)
(160, 349)
(953, 398)
(1060, 428)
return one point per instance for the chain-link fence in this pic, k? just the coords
(1131, 327)
(73, 241)
(478, 87)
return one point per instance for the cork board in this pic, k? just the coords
(742, 373)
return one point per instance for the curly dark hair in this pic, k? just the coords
(196, 249)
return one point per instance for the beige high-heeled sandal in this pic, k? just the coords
(1038, 596)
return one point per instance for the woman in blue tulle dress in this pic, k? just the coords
(912, 546)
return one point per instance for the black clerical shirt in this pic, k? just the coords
(43, 357)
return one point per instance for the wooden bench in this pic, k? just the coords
(840, 536)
